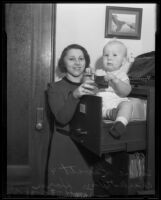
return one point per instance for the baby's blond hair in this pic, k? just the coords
(115, 41)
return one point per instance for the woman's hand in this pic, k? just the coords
(86, 88)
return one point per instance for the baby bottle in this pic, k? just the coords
(88, 75)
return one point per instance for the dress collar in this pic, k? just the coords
(69, 81)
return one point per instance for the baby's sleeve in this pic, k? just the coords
(124, 77)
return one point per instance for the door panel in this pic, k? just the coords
(30, 33)
(18, 82)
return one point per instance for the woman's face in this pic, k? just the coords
(75, 62)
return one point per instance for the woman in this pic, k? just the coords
(69, 173)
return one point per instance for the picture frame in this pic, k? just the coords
(123, 22)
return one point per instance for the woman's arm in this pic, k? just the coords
(64, 100)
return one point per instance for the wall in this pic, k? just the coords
(85, 24)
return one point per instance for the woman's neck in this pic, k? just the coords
(74, 79)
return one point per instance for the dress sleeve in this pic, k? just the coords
(63, 104)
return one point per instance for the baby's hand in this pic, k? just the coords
(109, 76)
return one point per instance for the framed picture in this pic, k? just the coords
(123, 22)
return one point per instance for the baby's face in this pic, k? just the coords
(113, 57)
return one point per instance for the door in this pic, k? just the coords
(30, 47)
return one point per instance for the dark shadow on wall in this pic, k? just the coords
(99, 63)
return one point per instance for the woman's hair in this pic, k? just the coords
(61, 63)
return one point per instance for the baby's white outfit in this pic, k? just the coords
(110, 99)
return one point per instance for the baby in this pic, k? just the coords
(116, 106)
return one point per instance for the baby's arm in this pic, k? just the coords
(122, 88)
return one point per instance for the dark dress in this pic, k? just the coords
(70, 165)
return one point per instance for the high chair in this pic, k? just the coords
(89, 129)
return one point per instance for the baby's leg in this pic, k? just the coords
(111, 114)
(124, 113)
(125, 109)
